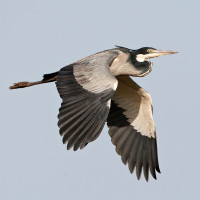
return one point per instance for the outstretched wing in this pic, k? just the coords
(86, 88)
(132, 128)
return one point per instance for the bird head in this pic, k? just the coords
(140, 57)
(145, 53)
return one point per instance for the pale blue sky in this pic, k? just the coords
(40, 37)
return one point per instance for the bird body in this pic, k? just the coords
(98, 89)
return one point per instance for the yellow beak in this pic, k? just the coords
(156, 53)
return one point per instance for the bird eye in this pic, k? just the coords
(149, 50)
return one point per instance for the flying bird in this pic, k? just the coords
(98, 89)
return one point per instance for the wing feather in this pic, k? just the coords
(132, 128)
(86, 88)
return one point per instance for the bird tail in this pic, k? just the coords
(46, 79)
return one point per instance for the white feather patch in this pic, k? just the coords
(137, 105)
(144, 121)
(140, 57)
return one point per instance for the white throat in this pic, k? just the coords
(140, 57)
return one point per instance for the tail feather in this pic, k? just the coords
(46, 79)
(50, 77)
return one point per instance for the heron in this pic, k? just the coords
(98, 89)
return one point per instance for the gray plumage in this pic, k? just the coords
(98, 89)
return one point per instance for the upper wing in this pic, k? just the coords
(86, 88)
(132, 128)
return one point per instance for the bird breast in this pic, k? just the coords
(122, 65)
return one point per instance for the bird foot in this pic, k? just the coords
(20, 85)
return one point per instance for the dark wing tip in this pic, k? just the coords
(158, 169)
(138, 170)
(153, 173)
(140, 155)
(146, 170)
(75, 148)
(68, 146)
